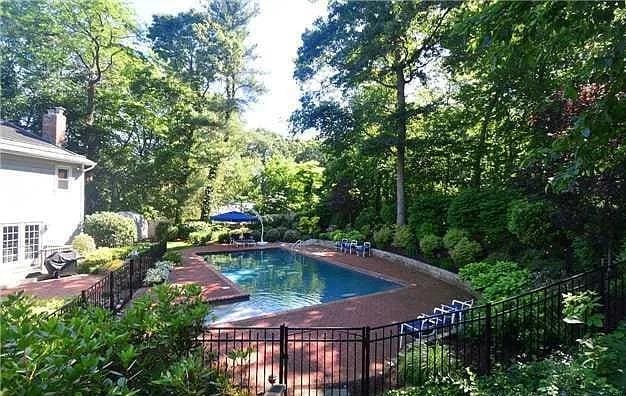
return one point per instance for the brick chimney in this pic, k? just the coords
(53, 126)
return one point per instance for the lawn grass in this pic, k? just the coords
(174, 246)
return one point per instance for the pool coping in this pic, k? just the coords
(243, 295)
(213, 283)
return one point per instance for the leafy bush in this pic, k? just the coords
(403, 237)
(272, 235)
(199, 238)
(496, 280)
(530, 222)
(414, 369)
(174, 257)
(365, 217)
(465, 251)
(91, 352)
(483, 214)
(186, 229)
(309, 225)
(387, 213)
(96, 260)
(160, 273)
(166, 231)
(220, 236)
(383, 237)
(281, 232)
(428, 211)
(291, 236)
(429, 244)
(453, 236)
(83, 243)
(337, 235)
(110, 229)
(582, 308)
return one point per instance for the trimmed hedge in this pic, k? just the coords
(83, 243)
(110, 229)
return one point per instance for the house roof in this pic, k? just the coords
(18, 141)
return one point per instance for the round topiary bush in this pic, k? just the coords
(110, 229)
(83, 243)
(465, 251)
(272, 235)
(383, 237)
(429, 244)
(453, 236)
(403, 237)
(291, 236)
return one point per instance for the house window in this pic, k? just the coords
(63, 178)
(31, 241)
(10, 239)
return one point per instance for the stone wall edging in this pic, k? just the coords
(436, 272)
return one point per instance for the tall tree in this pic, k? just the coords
(386, 43)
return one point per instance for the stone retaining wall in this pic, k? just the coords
(435, 272)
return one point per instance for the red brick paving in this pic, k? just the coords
(421, 293)
(62, 287)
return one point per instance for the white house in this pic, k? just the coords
(42, 195)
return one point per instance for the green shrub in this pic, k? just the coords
(429, 245)
(420, 362)
(453, 236)
(337, 235)
(309, 225)
(496, 280)
(365, 217)
(83, 243)
(110, 229)
(174, 257)
(291, 236)
(465, 251)
(428, 210)
(325, 236)
(403, 237)
(383, 237)
(221, 236)
(483, 214)
(530, 222)
(186, 229)
(166, 231)
(91, 352)
(387, 213)
(199, 238)
(96, 261)
(281, 232)
(272, 235)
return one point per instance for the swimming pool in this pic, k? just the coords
(279, 280)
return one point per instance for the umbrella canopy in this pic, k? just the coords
(234, 217)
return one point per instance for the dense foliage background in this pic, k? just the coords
(455, 131)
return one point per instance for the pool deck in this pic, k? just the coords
(420, 292)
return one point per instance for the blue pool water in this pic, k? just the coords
(278, 280)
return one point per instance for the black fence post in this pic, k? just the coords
(131, 270)
(83, 298)
(604, 296)
(488, 338)
(111, 292)
(282, 356)
(365, 361)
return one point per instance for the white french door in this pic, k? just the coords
(20, 245)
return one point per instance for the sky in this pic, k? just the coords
(276, 31)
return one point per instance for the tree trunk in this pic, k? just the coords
(477, 170)
(400, 147)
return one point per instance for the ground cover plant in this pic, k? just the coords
(146, 351)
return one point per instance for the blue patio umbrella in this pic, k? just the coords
(239, 217)
(234, 217)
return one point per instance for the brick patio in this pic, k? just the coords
(62, 287)
(420, 294)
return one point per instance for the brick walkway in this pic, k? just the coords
(421, 293)
(63, 287)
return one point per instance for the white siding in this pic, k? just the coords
(29, 193)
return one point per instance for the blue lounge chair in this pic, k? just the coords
(338, 246)
(353, 245)
(345, 245)
(364, 249)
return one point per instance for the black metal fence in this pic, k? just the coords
(370, 361)
(117, 287)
